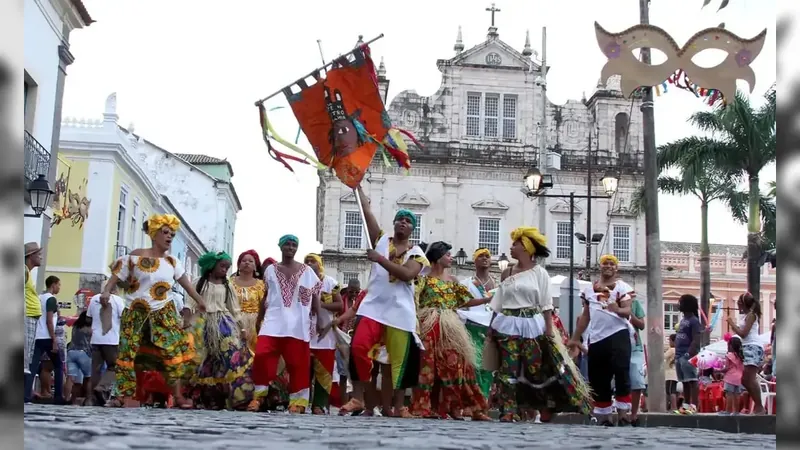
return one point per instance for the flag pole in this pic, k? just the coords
(363, 216)
(315, 71)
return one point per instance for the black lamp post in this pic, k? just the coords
(461, 257)
(40, 193)
(535, 184)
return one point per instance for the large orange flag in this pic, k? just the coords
(344, 119)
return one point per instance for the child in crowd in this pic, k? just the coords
(734, 366)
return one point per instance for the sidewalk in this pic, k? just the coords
(728, 424)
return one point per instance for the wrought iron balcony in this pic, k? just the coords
(37, 159)
(120, 251)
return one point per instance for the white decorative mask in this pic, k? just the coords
(618, 48)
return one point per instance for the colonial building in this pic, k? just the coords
(680, 262)
(480, 133)
(48, 24)
(105, 191)
(102, 199)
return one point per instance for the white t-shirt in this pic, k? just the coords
(41, 328)
(390, 301)
(117, 306)
(289, 303)
(604, 323)
(328, 342)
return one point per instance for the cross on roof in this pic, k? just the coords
(493, 10)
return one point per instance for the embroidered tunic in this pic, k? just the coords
(289, 303)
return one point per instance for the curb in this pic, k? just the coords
(728, 424)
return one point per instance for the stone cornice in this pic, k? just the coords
(64, 55)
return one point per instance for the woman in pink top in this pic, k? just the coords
(734, 366)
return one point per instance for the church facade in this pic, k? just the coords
(480, 133)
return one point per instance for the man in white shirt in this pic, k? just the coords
(46, 342)
(105, 341)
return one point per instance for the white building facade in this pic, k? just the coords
(207, 203)
(47, 26)
(480, 134)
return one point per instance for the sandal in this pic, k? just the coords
(294, 409)
(115, 403)
(509, 417)
(480, 416)
(183, 403)
(254, 405)
(317, 411)
(353, 407)
(404, 413)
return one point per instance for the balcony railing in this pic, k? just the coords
(37, 159)
(120, 251)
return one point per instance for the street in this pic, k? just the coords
(48, 427)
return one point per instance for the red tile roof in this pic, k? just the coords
(83, 12)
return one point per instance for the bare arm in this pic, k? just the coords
(373, 229)
(336, 305)
(347, 315)
(315, 304)
(406, 272)
(187, 286)
(621, 308)
(637, 322)
(262, 309)
(748, 325)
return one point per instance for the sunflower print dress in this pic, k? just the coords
(151, 335)
(250, 297)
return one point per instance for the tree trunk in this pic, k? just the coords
(754, 244)
(705, 268)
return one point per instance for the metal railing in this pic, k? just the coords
(120, 251)
(37, 158)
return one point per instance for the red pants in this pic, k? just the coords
(367, 337)
(402, 352)
(297, 356)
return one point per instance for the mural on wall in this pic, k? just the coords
(68, 206)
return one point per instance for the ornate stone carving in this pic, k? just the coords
(412, 201)
(622, 211)
(490, 205)
(350, 197)
(562, 207)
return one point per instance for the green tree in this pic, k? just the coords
(742, 142)
(705, 182)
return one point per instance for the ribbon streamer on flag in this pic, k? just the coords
(344, 120)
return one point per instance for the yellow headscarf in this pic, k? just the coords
(157, 221)
(318, 259)
(528, 235)
(609, 258)
(480, 252)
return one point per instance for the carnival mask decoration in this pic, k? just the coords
(343, 135)
(618, 48)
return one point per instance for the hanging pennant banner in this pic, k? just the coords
(619, 47)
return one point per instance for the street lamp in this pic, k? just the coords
(610, 182)
(40, 193)
(502, 262)
(461, 257)
(535, 181)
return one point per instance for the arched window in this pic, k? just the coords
(621, 132)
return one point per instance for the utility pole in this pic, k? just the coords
(655, 304)
(589, 162)
(543, 133)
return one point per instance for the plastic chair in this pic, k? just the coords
(768, 395)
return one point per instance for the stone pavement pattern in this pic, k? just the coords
(63, 427)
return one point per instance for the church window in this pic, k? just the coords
(473, 114)
(621, 242)
(491, 108)
(509, 117)
(563, 239)
(347, 276)
(416, 235)
(353, 230)
(621, 132)
(672, 316)
(489, 234)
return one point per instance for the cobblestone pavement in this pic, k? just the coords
(49, 427)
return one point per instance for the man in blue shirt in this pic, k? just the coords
(687, 344)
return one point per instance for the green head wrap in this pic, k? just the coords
(208, 261)
(406, 214)
(286, 238)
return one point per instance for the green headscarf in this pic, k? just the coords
(208, 261)
(406, 214)
(286, 238)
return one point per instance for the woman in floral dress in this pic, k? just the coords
(248, 285)
(150, 317)
(449, 357)
(535, 367)
(224, 374)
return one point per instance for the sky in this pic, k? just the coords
(187, 74)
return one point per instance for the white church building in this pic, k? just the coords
(480, 134)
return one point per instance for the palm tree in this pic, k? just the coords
(704, 181)
(742, 143)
